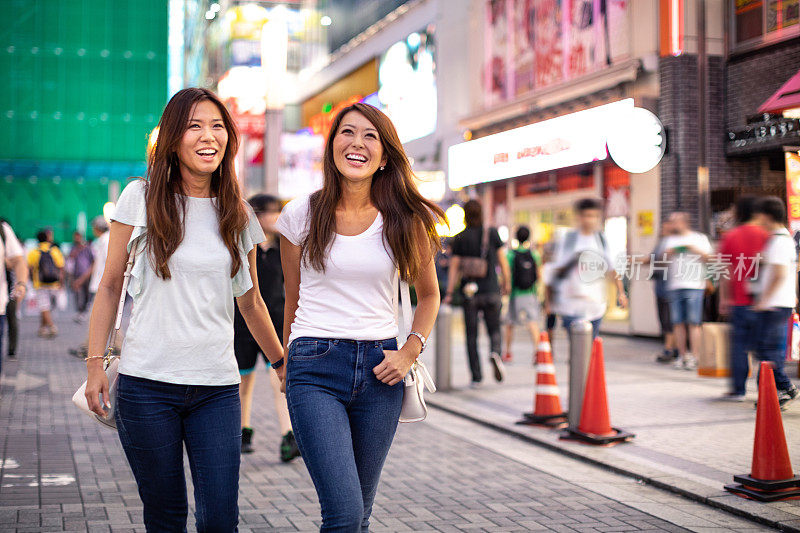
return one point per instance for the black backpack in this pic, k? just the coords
(48, 271)
(524, 271)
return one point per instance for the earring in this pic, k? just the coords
(382, 168)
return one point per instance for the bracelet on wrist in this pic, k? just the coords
(94, 357)
(277, 364)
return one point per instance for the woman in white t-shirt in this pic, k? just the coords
(341, 250)
(195, 241)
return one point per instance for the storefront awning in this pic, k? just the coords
(787, 97)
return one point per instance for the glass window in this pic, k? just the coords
(782, 14)
(749, 19)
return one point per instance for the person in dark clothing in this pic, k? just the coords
(270, 284)
(479, 286)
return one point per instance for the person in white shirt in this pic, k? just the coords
(194, 239)
(687, 252)
(580, 268)
(777, 294)
(342, 250)
(12, 256)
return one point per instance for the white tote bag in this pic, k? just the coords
(418, 378)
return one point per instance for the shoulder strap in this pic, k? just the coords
(485, 242)
(602, 239)
(112, 341)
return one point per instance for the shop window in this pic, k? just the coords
(764, 21)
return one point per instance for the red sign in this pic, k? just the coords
(320, 124)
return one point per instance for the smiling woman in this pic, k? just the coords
(194, 241)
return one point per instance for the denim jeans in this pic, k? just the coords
(567, 321)
(344, 421)
(773, 327)
(743, 333)
(489, 304)
(686, 306)
(155, 420)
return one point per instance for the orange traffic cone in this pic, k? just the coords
(547, 409)
(595, 425)
(771, 477)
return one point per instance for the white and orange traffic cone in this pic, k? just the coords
(547, 409)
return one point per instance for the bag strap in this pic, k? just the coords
(112, 340)
(485, 243)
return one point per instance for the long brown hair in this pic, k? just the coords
(405, 211)
(166, 204)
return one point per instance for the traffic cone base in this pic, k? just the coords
(616, 436)
(763, 495)
(551, 421)
(771, 477)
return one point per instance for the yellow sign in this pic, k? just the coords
(645, 223)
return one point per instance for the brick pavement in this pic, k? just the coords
(685, 439)
(61, 471)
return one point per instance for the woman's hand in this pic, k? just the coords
(96, 385)
(282, 376)
(395, 365)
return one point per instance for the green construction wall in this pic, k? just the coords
(85, 82)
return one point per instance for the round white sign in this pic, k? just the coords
(636, 141)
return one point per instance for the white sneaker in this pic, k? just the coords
(678, 365)
(689, 362)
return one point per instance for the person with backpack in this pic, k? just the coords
(523, 303)
(580, 293)
(46, 263)
(477, 253)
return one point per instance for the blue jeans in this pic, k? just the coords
(686, 306)
(155, 420)
(773, 327)
(344, 421)
(567, 321)
(742, 335)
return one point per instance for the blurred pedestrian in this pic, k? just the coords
(739, 249)
(342, 248)
(270, 284)
(477, 254)
(523, 303)
(12, 258)
(79, 267)
(195, 239)
(548, 280)
(658, 261)
(687, 252)
(13, 304)
(776, 295)
(99, 253)
(47, 272)
(576, 296)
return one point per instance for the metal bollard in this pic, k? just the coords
(444, 322)
(580, 351)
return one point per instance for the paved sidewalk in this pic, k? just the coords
(61, 471)
(685, 440)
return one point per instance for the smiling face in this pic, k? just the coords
(203, 144)
(357, 149)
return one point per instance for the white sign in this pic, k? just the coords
(556, 143)
(636, 143)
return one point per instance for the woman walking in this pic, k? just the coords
(195, 240)
(341, 249)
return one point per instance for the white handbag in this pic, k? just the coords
(110, 360)
(418, 378)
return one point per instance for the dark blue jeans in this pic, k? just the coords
(773, 327)
(155, 420)
(567, 321)
(742, 335)
(344, 421)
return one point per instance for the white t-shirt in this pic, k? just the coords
(353, 298)
(686, 270)
(11, 249)
(576, 295)
(181, 329)
(100, 251)
(779, 250)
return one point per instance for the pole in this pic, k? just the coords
(704, 207)
(273, 128)
(444, 352)
(580, 350)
